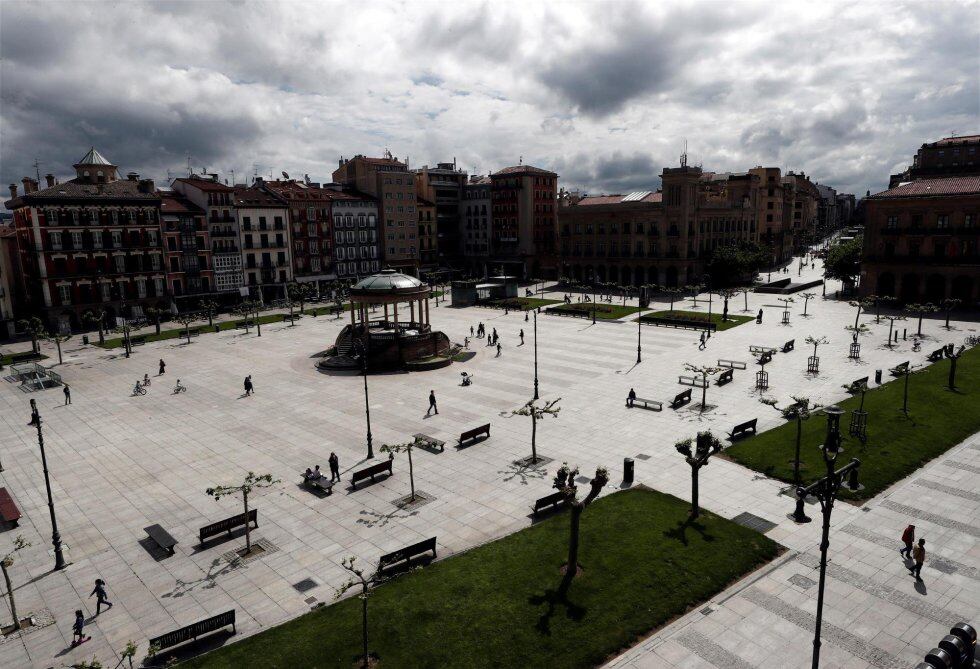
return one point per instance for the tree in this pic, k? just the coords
(786, 302)
(706, 446)
(34, 326)
(392, 449)
(288, 303)
(536, 412)
(694, 289)
(251, 482)
(920, 310)
(735, 263)
(948, 305)
(806, 300)
(301, 292)
(96, 317)
(365, 582)
(245, 311)
(129, 652)
(726, 294)
(58, 340)
(800, 410)
(864, 304)
(155, 314)
(125, 328)
(20, 543)
(891, 325)
(672, 294)
(843, 261)
(186, 320)
(953, 359)
(815, 342)
(565, 483)
(209, 307)
(908, 371)
(704, 371)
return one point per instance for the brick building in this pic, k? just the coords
(216, 200)
(949, 156)
(266, 245)
(88, 243)
(187, 250)
(310, 228)
(524, 235)
(357, 236)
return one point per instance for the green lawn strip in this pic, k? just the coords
(520, 303)
(896, 446)
(16, 358)
(603, 311)
(497, 605)
(733, 320)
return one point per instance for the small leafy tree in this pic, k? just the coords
(251, 482)
(672, 294)
(800, 410)
(126, 329)
(704, 371)
(919, 311)
(245, 311)
(856, 332)
(209, 307)
(290, 304)
(748, 289)
(154, 314)
(536, 412)
(96, 317)
(862, 304)
(565, 483)
(407, 447)
(694, 289)
(880, 300)
(843, 261)
(186, 320)
(806, 300)
(358, 578)
(129, 652)
(301, 292)
(34, 326)
(707, 445)
(58, 340)
(786, 302)
(948, 305)
(891, 325)
(20, 543)
(815, 342)
(726, 294)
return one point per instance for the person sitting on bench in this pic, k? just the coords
(314, 475)
(630, 398)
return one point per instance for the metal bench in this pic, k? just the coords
(741, 429)
(425, 441)
(653, 405)
(228, 524)
(192, 632)
(789, 346)
(726, 376)
(732, 364)
(474, 433)
(680, 399)
(765, 358)
(756, 350)
(406, 554)
(555, 500)
(321, 484)
(161, 537)
(900, 369)
(8, 510)
(693, 381)
(936, 355)
(372, 471)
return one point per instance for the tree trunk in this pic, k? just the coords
(905, 396)
(101, 334)
(891, 324)
(10, 594)
(210, 318)
(952, 373)
(704, 393)
(364, 622)
(248, 531)
(411, 473)
(534, 436)
(57, 342)
(920, 325)
(571, 566)
(158, 325)
(856, 317)
(258, 325)
(34, 346)
(806, 301)
(796, 460)
(746, 294)
(694, 492)
(187, 332)
(292, 321)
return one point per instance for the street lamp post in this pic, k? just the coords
(535, 354)
(825, 490)
(59, 556)
(367, 404)
(639, 331)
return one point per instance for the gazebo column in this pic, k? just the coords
(427, 312)
(353, 322)
(411, 306)
(396, 315)
(386, 311)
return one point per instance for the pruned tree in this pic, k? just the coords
(186, 319)
(948, 305)
(301, 292)
(806, 300)
(96, 317)
(800, 410)
(815, 342)
(364, 581)
(209, 307)
(786, 302)
(125, 328)
(129, 652)
(704, 371)
(20, 543)
(155, 314)
(856, 332)
(58, 340)
(748, 289)
(695, 290)
(908, 371)
(251, 482)
(862, 304)
(891, 325)
(672, 294)
(536, 412)
(565, 483)
(707, 445)
(919, 311)
(253, 307)
(726, 294)
(245, 311)
(33, 326)
(407, 447)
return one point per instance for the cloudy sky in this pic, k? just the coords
(603, 93)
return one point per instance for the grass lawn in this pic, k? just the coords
(27, 356)
(604, 311)
(733, 320)
(521, 303)
(497, 605)
(896, 446)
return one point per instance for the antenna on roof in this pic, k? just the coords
(232, 177)
(684, 155)
(37, 169)
(190, 170)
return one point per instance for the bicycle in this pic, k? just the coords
(139, 389)
(179, 388)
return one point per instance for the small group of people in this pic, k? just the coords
(249, 388)
(913, 552)
(492, 339)
(78, 627)
(481, 330)
(315, 475)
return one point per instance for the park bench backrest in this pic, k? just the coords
(195, 630)
(469, 434)
(228, 523)
(408, 552)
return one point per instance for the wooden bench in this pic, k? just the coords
(192, 632)
(321, 484)
(765, 358)
(228, 524)
(680, 399)
(555, 500)
(241, 325)
(161, 537)
(899, 370)
(653, 405)
(8, 510)
(789, 346)
(936, 355)
(426, 441)
(693, 381)
(726, 376)
(137, 341)
(761, 349)
(406, 554)
(732, 364)
(371, 471)
(474, 433)
(741, 429)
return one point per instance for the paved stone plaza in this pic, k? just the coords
(120, 463)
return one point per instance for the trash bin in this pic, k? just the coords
(85, 339)
(627, 470)
(878, 377)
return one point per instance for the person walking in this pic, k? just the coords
(631, 398)
(432, 403)
(334, 463)
(163, 367)
(494, 335)
(248, 385)
(471, 330)
(521, 335)
(101, 597)
(758, 319)
(919, 555)
(77, 629)
(67, 392)
(498, 349)
(701, 343)
(908, 538)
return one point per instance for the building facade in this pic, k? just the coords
(524, 234)
(357, 234)
(949, 156)
(187, 251)
(428, 226)
(476, 216)
(90, 243)
(920, 241)
(310, 229)
(443, 186)
(216, 200)
(266, 245)
(8, 273)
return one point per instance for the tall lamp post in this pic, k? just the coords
(535, 354)
(367, 403)
(825, 490)
(59, 556)
(639, 330)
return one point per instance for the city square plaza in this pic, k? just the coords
(119, 463)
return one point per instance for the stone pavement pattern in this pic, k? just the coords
(120, 463)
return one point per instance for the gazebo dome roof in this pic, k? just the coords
(387, 281)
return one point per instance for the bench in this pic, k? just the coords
(241, 325)
(741, 429)
(731, 364)
(228, 524)
(321, 484)
(936, 355)
(406, 554)
(693, 381)
(371, 471)
(195, 630)
(857, 383)
(137, 341)
(474, 433)
(161, 537)
(425, 441)
(293, 317)
(8, 510)
(789, 346)
(761, 349)
(195, 332)
(765, 358)
(555, 500)
(899, 369)
(726, 376)
(680, 399)
(653, 405)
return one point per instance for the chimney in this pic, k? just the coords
(133, 176)
(13, 190)
(30, 185)
(50, 179)
(146, 186)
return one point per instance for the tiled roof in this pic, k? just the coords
(618, 199)
(524, 169)
(378, 161)
(298, 190)
(173, 203)
(256, 197)
(206, 185)
(93, 157)
(964, 139)
(932, 188)
(122, 188)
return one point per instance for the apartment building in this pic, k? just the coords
(476, 215)
(8, 272)
(357, 233)
(216, 200)
(524, 235)
(949, 156)
(310, 228)
(443, 186)
(428, 226)
(266, 246)
(187, 250)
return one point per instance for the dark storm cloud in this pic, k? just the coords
(612, 173)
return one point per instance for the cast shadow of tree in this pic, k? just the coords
(679, 533)
(524, 472)
(375, 519)
(555, 599)
(207, 581)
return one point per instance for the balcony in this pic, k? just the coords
(224, 233)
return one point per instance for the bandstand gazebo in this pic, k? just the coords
(379, 332)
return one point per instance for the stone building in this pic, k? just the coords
(8, 272)
(443, 186)
(216, 199)
(187, 250)
(428, 234)
(266, 245)
(357, 233)
(949, 156)
(310, 228)
(524, 235)
(476, 217)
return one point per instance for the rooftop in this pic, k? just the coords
(637, 196)
(932, 188)
(174, 203)
(387, 280)
(524, 169)
(93, 157)
(256, 197)
(205, 184)
(963, 139)
(78, 188)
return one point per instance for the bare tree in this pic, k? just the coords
(800, 410)
(186, 320)
(251, 482)
(806, 300)
(359, 579)
(948, 305)
(537, 412)
(704, 371)
(407, 447)
(565, 483)
(20, 543)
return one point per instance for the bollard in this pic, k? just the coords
(85, 339)
(904, 333)
(878, 377)
(627, 470)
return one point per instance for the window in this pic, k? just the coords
(311, 213)
(116, 238)
(175, 265)
(892, 223)
(969, 220)
(942, 222)
(96, 239)
(64, 294)
(106, 291)
(141, 288)
(120, 263)
(939, 249)
(315, 264)
(155, 261)
(55, 238)
(340, 253)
